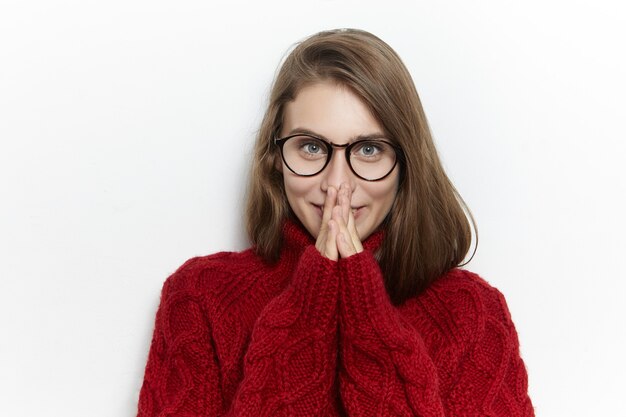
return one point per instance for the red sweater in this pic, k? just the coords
(235, 336)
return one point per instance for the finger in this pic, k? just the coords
(344, 246)
(343, 201)
(330, 249)
(354, 235)
(329, 203)
(343, 241)
(350, 231)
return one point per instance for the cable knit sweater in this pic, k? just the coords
(307, 336)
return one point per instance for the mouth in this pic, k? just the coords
(356, 211)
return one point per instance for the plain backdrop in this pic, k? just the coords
(126, 129)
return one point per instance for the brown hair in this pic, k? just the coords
(426, 232)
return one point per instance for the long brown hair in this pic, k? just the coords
(426, 232)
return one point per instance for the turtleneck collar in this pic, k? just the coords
(295, 236)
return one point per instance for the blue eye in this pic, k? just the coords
(368, 149)
(311, 148)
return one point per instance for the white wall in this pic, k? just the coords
(125, 135)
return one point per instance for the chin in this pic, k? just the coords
(362, 235)
(312, 226)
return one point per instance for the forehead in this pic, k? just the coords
(332, 111)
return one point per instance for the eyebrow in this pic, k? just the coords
(304, 131)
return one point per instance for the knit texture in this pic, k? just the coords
(307, 336)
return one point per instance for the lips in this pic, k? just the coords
(356, 211)
(320, 211)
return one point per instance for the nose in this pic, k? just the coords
(337, 172)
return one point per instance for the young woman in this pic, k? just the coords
(350, 301)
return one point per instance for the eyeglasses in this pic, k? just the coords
(369, 159)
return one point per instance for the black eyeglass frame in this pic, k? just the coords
(348, 147)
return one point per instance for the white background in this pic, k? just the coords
(125, 137)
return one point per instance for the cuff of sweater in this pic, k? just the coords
(315, 285)
(362, 288)
(366, 309)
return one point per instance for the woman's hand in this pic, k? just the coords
(338, 236)
(327, 236)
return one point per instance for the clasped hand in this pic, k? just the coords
(338, 237)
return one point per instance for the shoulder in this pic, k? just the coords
(203, 288)
(461, 306)
(465, 287)
(205, 275)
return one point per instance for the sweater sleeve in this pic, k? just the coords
(290, 365)
(386, 368)
(181, 375)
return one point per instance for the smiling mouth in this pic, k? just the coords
(320, 209)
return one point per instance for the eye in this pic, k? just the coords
(311, 148)
(368, 149)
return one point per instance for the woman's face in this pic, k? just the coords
(333, 112)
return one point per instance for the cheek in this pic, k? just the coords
(384, 194)
(295, 187)
(300, 191)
